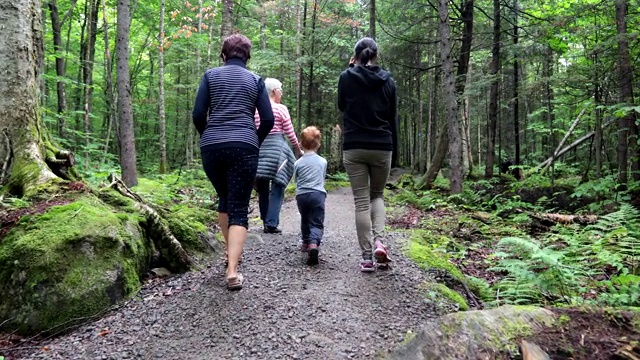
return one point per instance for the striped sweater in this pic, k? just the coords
(282, 123)
(225, 105)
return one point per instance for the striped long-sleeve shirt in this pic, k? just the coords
(225, 105)
(282, 123)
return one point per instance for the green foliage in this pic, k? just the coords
(570, 265)
(423, 200)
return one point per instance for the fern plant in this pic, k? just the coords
(570, 265)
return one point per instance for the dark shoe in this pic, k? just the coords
(313, 254)
(272, 230)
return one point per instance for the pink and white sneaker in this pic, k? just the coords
(380, 253)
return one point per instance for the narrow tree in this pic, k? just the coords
(451, 104)
(227, 17)
(88, 76)
(109, 91)
(372, 19)
(493, 95)
(56, 27)
(161, 110)
(626, 124)
(126, 134)
(516, 87)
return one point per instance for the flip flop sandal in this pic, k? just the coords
(235, 283)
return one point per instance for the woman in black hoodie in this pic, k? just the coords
(367, 99)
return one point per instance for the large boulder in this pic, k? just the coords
(69, 262)
(482, 334)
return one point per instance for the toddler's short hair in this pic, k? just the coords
(310, 138)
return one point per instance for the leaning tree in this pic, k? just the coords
(29, 161)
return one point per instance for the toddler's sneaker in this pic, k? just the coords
(367, 266)
(304, 246)
(313, 254)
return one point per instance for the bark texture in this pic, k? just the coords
(25, 146)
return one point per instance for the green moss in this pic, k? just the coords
(153, 191)
(188, 224)
(72, 261)
(428, 259)
(563, 320)
(438, 292)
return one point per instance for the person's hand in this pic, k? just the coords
(299, 152)
(352, 61)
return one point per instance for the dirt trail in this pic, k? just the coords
(287, 309)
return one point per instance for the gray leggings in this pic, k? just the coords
(368, 172)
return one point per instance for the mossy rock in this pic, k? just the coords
(444, 297)
(70, 262)
(189, 225)
(481, 334)
(430, 260)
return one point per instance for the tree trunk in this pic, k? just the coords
(227, 17)
(451, 104)
(597, 99)
(493, 95)
(626, 93)
(301, 29)
(88, 76)
(548, 72)
(56, 26)
(110, 94)
(310, 84)
(516, 88)
(161, 112)
(126, 135)
(372, 19)
(458, 83)
(27, 157)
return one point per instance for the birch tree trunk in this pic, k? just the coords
(126, 134)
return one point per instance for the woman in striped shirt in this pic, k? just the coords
(275, 166)
(229, 141)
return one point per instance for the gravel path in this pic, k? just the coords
(287, 309)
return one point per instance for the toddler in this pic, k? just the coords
(309, 173)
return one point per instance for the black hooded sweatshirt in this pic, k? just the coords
(367, 99)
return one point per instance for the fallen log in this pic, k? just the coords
(570, 147)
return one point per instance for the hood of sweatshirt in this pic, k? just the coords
(371, 76)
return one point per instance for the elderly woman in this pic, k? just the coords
(275, 167)
(229, 142)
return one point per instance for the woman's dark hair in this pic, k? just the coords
(366, 50)
(236, 46)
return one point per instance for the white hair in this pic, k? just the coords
(272, 84)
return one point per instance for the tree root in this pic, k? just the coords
(170, 248)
